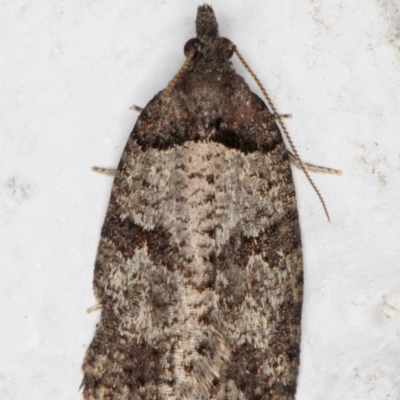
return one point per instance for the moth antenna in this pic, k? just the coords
(177, 76)
(284, 130)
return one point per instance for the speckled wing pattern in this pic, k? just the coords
(199, 267)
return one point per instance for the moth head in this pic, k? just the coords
(208, 42)
(223, 46)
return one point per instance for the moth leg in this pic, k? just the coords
(279, 116)
(136, 108)
(105, 171)
(111, 171)
(93, 308)
(313, 168)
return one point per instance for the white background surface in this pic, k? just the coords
(69, 72)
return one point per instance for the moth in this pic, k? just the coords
(199, 270)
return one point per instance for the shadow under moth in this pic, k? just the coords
(199, 270)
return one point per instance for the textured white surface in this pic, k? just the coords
(69, 73)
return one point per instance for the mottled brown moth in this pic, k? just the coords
(199, 270)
